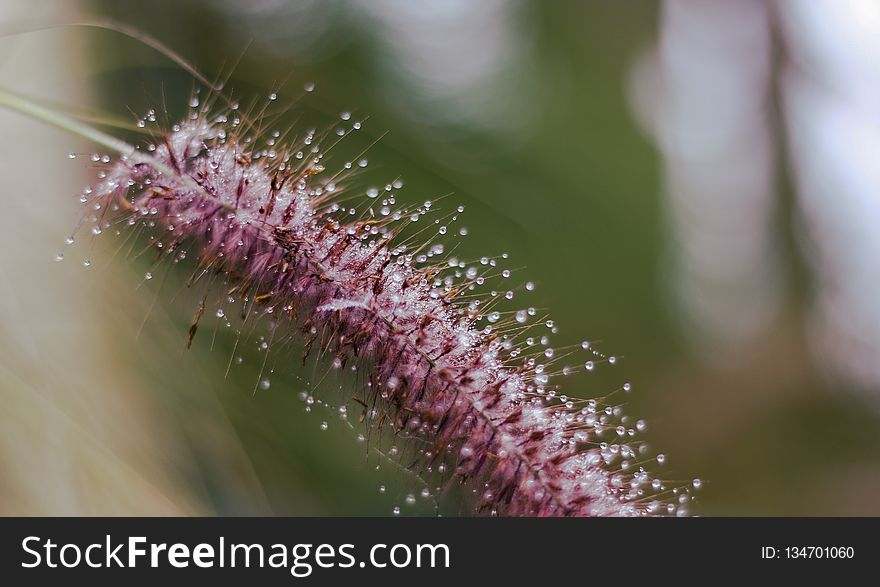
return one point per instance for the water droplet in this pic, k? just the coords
(87, 263)
(265, 384)
(410, 499)
(324, 426)
(71, 155)
(396, 511)
(381, 489)
(589, 365)
(661, 458)
(220, 312)
(372, 192)
(698, 483)
(309, 86)
(148, 276)
(627, 387)
(530, 286)
(59, 257)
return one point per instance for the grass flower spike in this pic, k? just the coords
(439, 363)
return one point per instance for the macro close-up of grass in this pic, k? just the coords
(654, 235)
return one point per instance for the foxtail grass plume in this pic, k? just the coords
(362, 280)
(449, 369)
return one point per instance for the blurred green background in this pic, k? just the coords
(525, 111)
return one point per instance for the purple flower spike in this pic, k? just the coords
(442, 369)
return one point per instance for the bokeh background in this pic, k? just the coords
(693, 183)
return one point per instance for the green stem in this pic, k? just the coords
(33, 109)
(28, 107)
